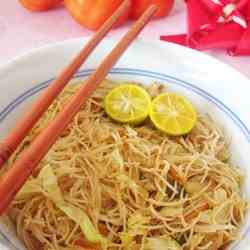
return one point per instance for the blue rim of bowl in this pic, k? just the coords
(136, 72)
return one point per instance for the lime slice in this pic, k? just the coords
(173, 114)
(128, 103)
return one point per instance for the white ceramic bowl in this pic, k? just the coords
(213, 87)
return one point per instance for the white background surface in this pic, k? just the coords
(21, 31)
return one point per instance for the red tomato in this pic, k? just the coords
(139, 6)
(93, 13)
(39, 5)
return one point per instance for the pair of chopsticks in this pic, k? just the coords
(9, 145)
(13, 180)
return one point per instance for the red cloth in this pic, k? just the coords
(216, 24)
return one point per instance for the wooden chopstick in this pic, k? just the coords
(11, 142)
(17, 175)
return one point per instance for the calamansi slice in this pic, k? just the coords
(173, 114)
(128, 103)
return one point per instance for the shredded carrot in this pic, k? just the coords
(176, 176)
(85, 245)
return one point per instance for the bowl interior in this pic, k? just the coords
(207, 104)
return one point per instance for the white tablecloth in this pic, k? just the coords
(21, 31)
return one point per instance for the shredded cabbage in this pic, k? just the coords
(162, 244)
(79, 216)
(49, 182)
